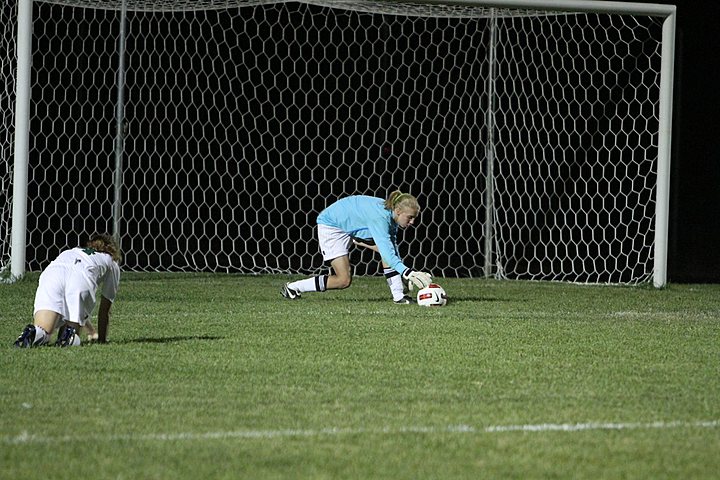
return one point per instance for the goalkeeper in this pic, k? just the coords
(368, 222)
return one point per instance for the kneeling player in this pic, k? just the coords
(66, 294)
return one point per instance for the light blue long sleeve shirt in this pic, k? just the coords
(362, 216)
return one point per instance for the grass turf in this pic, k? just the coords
(216, 376)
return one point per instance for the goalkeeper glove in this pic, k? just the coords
(418, 279)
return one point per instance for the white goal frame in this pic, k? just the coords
(664, 114)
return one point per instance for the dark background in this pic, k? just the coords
(695, 181)
(695, 170)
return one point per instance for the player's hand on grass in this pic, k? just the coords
(417, 279)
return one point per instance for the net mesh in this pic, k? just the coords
(8, 61)
(244, 119)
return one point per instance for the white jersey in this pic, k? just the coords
(68, 285)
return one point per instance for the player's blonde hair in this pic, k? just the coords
(404, 201)
(102, 242)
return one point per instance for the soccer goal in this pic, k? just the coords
(207, 135)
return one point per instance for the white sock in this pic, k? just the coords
(394, 281)
(312, 284)
(41, 337)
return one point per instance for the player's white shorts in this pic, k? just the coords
(67, 291)
(334, 242)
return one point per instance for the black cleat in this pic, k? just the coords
(289, 293)
(26, 338)
(405, 301)
(66, 337)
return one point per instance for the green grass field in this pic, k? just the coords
(216, 376)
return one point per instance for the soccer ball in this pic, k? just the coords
(432, 296)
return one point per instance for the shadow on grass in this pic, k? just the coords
(463, 298)
(188, 338)
(480, 298)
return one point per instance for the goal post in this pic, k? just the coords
(664, 101)
(207, 135)
(22, 132)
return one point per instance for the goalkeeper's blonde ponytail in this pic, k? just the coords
(404, 201)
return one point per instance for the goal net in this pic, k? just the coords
(531, 138)
(7, 124)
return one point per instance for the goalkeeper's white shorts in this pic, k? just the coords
(334, 242)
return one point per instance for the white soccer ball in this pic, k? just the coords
(432, 296)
